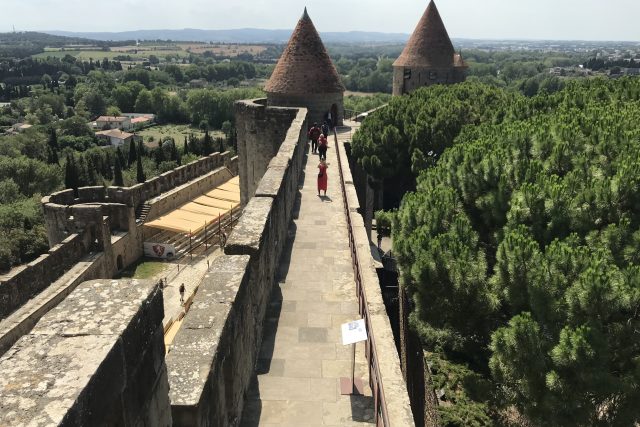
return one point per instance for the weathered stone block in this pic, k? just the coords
(78, 365)
(207, 346)
(250, 230)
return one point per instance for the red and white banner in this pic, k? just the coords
(159, 250)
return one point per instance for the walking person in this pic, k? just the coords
(322, 177)
(325, 129)
(181, 289)
(323, 144)
(314, 134)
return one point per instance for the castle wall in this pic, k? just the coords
(317, 104)
(213, 355)
(58, 206)
(98, 230)
(261, 132)
(27, 280)
(95, 359)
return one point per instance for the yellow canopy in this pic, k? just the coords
(202, 211)
(224, 195)
(216, 203)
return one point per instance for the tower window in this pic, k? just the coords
(407, 73)
(433, 75)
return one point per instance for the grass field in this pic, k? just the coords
(177, 132)
(145, 269)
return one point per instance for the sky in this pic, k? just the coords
(478, 19)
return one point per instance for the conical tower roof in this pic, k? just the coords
(305, 66)
(429, 45)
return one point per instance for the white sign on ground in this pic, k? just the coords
(354, 332)
(159, 250)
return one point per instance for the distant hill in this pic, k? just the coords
(43, 39)
(23, 44)
(243, 35)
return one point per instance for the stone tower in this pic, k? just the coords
(306, 77)
(428, 58)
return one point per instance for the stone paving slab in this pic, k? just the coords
(302, 358)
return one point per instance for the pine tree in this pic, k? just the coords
(132, 154)
(118, 180)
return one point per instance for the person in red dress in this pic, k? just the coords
(322, 177)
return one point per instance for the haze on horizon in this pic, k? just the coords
(475, 19)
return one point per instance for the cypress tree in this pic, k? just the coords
(141, 150)
(53, 140)
(207, 144)
(132, 153)
(52, 156)
(120, 156)
(159, 155)
(140, 176)
(118, 180)
(92, 179)
(82, 173)
(185, 150)
(175, 155)
(52, 147)
(105, 168)
(71, 174)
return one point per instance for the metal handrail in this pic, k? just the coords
(380, 403)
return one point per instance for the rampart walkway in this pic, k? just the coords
(302, 358)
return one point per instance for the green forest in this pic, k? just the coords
(518, 244)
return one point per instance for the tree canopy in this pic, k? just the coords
(519, 246)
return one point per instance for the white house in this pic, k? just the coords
(115, 136)
(113, 122)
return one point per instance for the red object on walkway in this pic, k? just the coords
(322, 177)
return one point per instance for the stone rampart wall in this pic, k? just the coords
(214, 354)
(261, 131)
(27, 280)
(139, 193)
(95, 359)
(391, 379)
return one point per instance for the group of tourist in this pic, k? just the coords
(319, 144)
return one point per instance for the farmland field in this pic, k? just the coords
(143, 51)
(230, 50)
